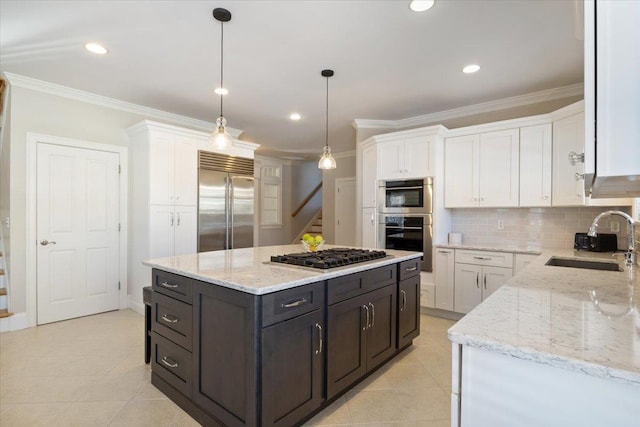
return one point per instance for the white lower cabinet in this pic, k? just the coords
(173, 230)
(444, 275)
(478, 276)
(369, 228)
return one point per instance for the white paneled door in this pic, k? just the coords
(345, 225)
(77, 232)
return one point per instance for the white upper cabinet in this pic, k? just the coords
(612, 97)
(405, 158)
(173, 169)
(568, 138)
(369, 178)
(535, 165)
(482, 169)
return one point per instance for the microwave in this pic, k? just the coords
(412, 196)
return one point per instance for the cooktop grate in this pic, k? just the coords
(329, 258)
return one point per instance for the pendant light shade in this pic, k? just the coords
(220, 138)
(327, 161)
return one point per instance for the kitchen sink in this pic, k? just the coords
(582, 263)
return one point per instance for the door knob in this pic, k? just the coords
(46, 242)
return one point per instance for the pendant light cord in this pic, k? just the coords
(326, 132)
(221, 64)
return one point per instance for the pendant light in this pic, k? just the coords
(220, 138)
(327, 161)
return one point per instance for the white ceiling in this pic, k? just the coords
(390, 63)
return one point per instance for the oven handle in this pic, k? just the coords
(396, 227)
(419, 187)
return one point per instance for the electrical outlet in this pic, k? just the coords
(500, 224)
(615, 226)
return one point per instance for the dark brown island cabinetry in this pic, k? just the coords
(232, 358)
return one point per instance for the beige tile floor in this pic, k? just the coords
(91, 372)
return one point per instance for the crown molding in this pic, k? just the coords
(499, 104)
(115, 104)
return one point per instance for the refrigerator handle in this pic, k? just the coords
(227, 205)
(230, 229)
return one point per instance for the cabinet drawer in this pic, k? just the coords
(175, 286)
(291, 303)
(494, 259)
(409, 268)
(172, 319)
(172, 363)
(343, 288)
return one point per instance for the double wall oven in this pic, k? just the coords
(406, 217)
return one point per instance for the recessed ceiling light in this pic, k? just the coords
(470, 69)
(96, 48)
(421, 5)
(221, 91)
(295, 116)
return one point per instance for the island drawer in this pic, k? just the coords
(172, 319)
(172, 363)
(493, 259)
(175, 286)
(290, 303)
(343, 288)
(409, 268)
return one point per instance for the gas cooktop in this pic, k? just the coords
(329, 258)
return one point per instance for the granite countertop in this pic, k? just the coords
(529, 250)
(247, 269)
(549, 315)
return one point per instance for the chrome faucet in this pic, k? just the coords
(630, 256)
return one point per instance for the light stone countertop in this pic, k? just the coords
(245, 269)
(528, 250)
(548, 315)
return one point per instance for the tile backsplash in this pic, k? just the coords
(532, 227)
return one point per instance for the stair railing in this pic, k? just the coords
(307, 199)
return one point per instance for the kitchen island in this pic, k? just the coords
(555, 346)
(240, 341)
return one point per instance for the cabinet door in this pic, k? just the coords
(161, 231)
(161, 169)
(499, 168)
(535, 165)
(390, 165)
(292, 369)
(346, 327)
(493, 278)
(381, 334)
(185, 171)
(417, 157)
(461, 171)
(468, 292)
(186, 230)
(444, 278)
(408, 310)
(567, 184)
(369, 181)
(369, 228)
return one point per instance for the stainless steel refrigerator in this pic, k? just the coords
(225, 206)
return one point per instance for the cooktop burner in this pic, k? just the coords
(329, 258)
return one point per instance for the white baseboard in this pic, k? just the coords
(135, 305)
(13, 323)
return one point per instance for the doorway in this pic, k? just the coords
(77, 234)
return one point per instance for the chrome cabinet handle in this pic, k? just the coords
(169, 362)
(485, 281)
(444, 252)
(575, 158)
(171, 220)
(373, 219)
(47, 242)
(367, 325)
(414, 268)
(404, 300)
(319, 350)
(373, 314)
(294, 303)
(485, 258)
(178, 224)
(168, 285)
(478, 280)
(169, 318)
